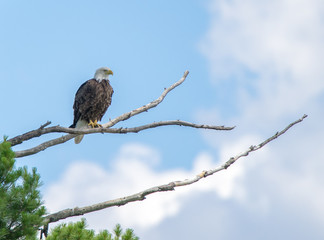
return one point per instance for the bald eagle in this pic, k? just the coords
(92, 101)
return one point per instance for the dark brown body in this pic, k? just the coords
(92, 101)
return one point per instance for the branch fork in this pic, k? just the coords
(106, 128)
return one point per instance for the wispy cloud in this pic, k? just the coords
(86, 183)
(271, 52)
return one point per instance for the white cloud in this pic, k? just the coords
(271, 53)
(133, 170)
(271, 48)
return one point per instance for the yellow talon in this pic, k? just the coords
(90, 124)
(94, 124)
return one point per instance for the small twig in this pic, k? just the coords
(28, 135)
(45, 124)
(161, 188)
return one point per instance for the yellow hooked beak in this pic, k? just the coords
(109, 72)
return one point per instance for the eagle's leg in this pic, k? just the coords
(90, 124)
(94, 124)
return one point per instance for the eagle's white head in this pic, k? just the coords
(103, 74)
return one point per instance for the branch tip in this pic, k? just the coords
(45, 124)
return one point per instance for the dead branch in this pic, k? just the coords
(44, 145)
(73, 132)
(106, 128)
(28, 135)
(161, 188)
(40, 131)
(150, 105)
(59, 129)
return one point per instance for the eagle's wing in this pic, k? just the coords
(82, 100)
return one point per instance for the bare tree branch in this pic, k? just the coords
(59, 129)
(73, 132)
(40, 131)
(44, 145)
(150, 105)
(161, 188)
(28, 135)
(106, 128)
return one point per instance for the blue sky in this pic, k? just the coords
(59, 46)
(256, 65)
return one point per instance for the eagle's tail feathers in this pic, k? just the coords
(81, 124)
